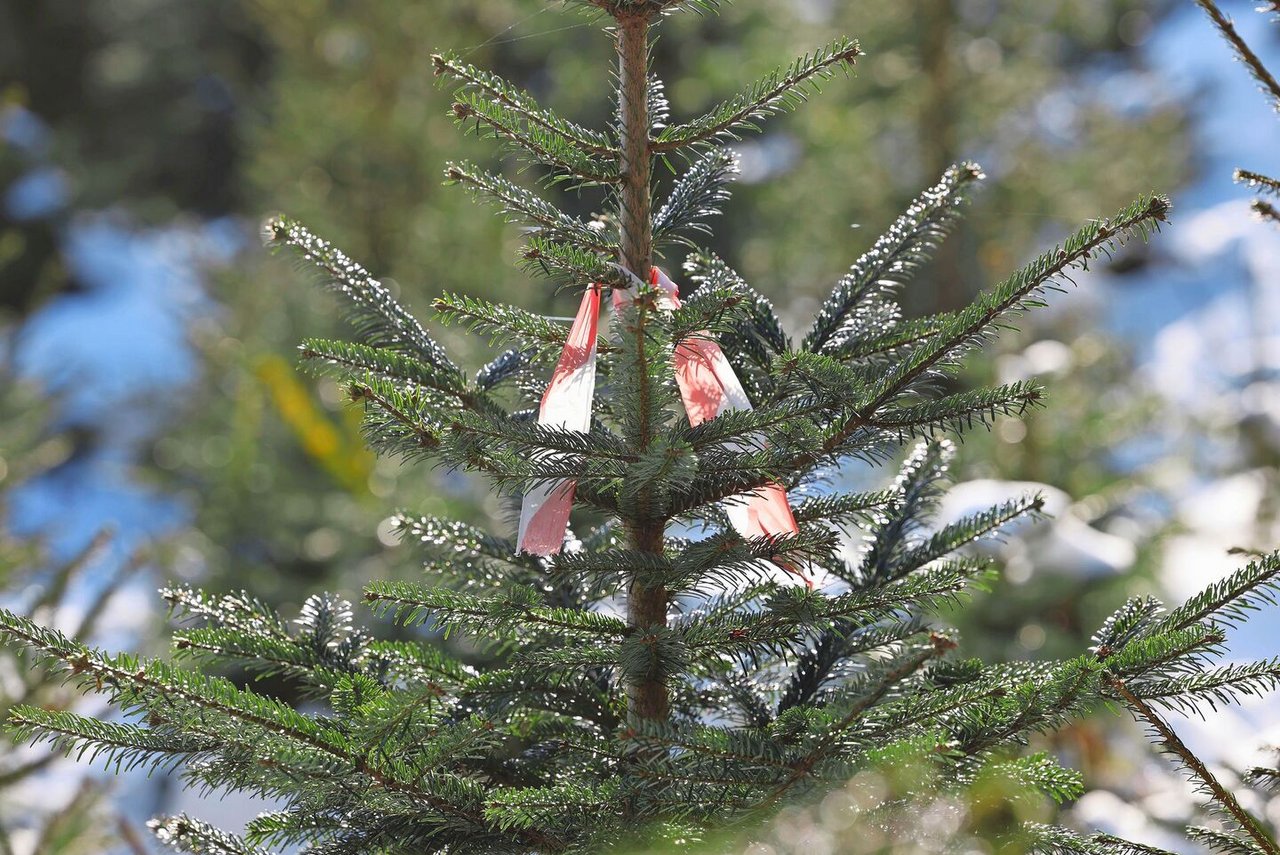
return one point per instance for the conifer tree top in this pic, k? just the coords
(663, 674)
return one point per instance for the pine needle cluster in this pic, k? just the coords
(659, 677)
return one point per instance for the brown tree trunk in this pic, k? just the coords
(646, 606)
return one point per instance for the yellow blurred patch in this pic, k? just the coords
(336, 446)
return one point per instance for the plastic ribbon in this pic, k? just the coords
(708, 387)
(566, 404)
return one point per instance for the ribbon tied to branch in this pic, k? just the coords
(708, 387)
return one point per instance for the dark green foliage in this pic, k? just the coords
(512, 116)
(535, 729)
(696, 197)
(1169, 662)
(1052, 840)
(185, 834)
(401, 714)
(781, 91)
(519, 205)
(860, 301)
(379, 319)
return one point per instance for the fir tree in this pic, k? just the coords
(287, 482)
(659, 676)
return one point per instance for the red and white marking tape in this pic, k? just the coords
(708, 387)
(566, 403)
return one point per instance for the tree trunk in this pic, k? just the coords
(646, 607)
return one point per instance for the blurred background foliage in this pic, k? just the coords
(180, 124)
